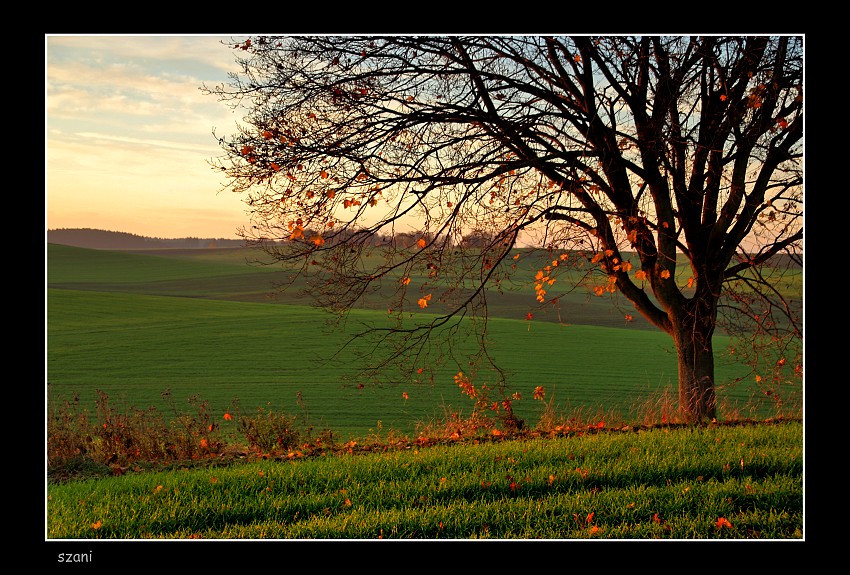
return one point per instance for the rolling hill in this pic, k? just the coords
(109, 240)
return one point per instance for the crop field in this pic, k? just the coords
(172, 330)
(204, 323)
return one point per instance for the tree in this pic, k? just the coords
(669, 167)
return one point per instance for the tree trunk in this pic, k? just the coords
(697, 400)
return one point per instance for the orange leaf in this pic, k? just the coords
(640, 274)
(539, 392)
(318, 240)
(228, 417)
(423, 302)
(665, 274)
(723, 522)
(405, 281)
(404, 395)
(421, 242)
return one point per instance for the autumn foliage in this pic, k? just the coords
(667, 171)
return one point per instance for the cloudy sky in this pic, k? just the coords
(129, 135)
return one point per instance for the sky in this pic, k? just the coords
(129, 135)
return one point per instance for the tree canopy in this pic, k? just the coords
(668, 169)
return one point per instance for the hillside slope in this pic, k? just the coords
(109, 240)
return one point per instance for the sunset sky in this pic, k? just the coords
(129, 135)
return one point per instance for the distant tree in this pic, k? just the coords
(671, 167)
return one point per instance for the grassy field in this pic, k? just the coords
(715, 482)
(198, 322)
(203, 324)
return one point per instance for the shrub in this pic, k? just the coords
(269, 431)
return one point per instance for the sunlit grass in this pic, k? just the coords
(660, 483)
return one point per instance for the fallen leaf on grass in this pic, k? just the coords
(723, 522)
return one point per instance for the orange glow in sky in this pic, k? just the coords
(129, 135)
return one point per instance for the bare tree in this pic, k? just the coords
(669, 167)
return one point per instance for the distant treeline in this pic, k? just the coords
(108, 240)
(103, 239)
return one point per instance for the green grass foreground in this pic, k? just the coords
(704, 482)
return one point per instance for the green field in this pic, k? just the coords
(702, 482)
(205, 323)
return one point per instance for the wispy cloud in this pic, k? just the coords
(151, 143)
(126, 113)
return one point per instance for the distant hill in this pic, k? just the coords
(107, 240)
